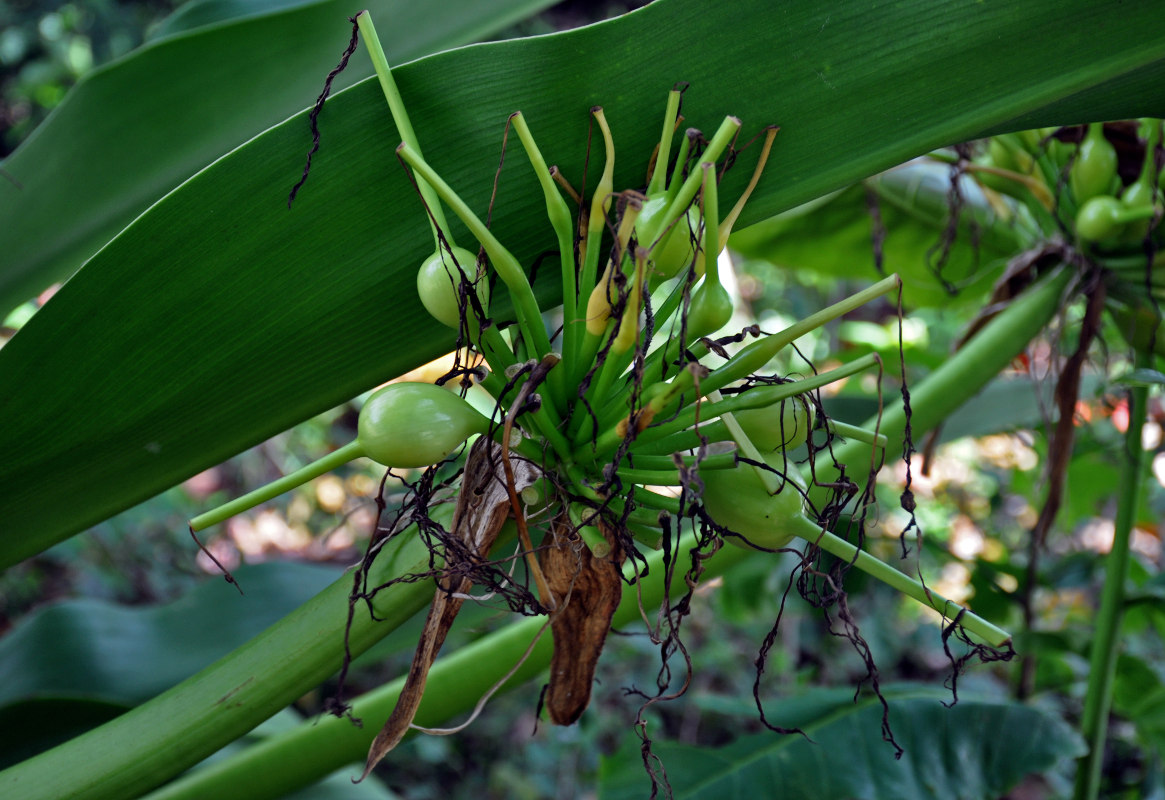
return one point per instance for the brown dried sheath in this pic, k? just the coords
(483, 504)
(588, 590)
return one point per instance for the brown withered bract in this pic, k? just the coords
(483, 504)
(587, 590)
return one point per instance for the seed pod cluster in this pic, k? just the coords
(1102, 184)
(637, 421)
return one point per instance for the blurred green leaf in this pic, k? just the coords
(1006, 404)
(1139, 696)
(911, 205)
(203, 13)
(946, 754)
(1141, 377)
(125, 655)
(1091, 480)
(28, 727)
(74, 665)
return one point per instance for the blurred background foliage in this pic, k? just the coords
(46, 47)
(976, 495)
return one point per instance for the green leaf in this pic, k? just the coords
(1006, 404)
(946, 755)
(203, 13)
(1139, 696)
(33, 726)
(134, 129)
(219, 317)
(126, 655)
(911, 203)
(152, 742)
(1141, 377)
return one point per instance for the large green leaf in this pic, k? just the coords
(123, 654)
(219, 317)
(912, 205)
(948, 753)
(71, 666)
(134, 129)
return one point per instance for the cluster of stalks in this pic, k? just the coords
(627, 428)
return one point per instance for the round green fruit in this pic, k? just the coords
(439, 282)
(410, 425)
(785, 424)
(674, 253)
(1099, 219)
(737, 499)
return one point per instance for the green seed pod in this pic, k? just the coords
(738, 500)
(439, 280)
(1142, 198)
(674, 253)
(1099, 219)
(415, 424)
(710, 310)
(1008, 153)
(786, 424)
(1139, 195)
(1094, 172)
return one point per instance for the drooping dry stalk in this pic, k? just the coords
(483, 504)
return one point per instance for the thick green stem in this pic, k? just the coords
(847, 431)
(343, 455)
(710, 206)
(687, 190)
(753, 357)
(400, 116)
(559, 215)
(663, 153)
(161, 738)
(319, 747)
(961, 376)
(993, 635)
(1105, 643)
(758, 397)
(860, 559)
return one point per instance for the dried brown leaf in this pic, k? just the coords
(587, 590)
(483, 504)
